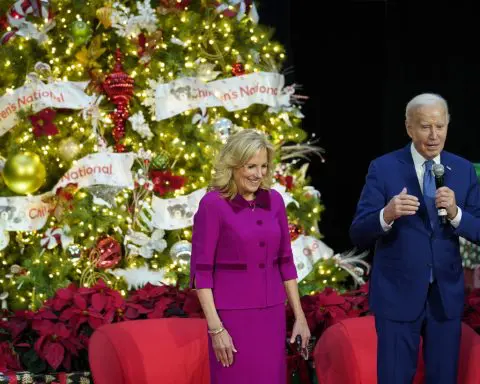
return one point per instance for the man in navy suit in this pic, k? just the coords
(417, 283)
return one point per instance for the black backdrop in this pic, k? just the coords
(371, 58)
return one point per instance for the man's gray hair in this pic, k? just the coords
(423, 100)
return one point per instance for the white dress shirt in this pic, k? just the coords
(419, 162)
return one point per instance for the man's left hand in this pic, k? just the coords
(445, 198)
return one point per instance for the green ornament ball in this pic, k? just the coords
(160, 161)
(80, 32)
(81, 29)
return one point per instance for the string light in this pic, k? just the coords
(218, 37)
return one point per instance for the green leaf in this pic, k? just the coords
(32, 362)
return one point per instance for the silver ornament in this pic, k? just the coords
(104, 194)
(68, 149)
(223, 127)
(4, 239)
(74, 251)
(181, 250)
(16, 269)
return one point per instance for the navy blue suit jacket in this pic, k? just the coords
(404, 255)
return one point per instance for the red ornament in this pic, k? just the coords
(119, 88)
(43, 124)
(238, 69)
(295, 231)
(120, 147)
(107, 253)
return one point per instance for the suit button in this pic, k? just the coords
(261, 265)
(262, 244)
(259, 222)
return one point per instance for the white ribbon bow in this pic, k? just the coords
(201, 118)
(56, 236)
(39, 69)
(253, 14)
(26, 28)
(92, 112)
(144, 245)
(311, 191)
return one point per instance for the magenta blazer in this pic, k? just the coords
(241, 250)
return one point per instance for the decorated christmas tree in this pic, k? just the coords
(111, 114)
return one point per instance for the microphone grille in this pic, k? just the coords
(438, 170)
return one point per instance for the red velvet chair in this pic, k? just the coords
(347, 354)
(167, 351)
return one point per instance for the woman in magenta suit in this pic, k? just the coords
(242, 266)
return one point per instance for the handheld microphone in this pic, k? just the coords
(438, 171)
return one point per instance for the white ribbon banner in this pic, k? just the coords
(233, 94)
(101, 168)
(38, 96)
(30, 213)
(20, 213)
(176, 213)
(307, 250)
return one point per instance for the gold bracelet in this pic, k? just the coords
(216, 331)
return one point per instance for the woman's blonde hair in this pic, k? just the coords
(239, 148)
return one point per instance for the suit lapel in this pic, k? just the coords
(447, 178)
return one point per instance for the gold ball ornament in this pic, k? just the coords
(68, 149)
(24, 173)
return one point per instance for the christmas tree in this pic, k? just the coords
(111, 114)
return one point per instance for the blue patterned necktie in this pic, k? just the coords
(429, 191)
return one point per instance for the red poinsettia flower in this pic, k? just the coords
(81, 312)
(43, 124)
(473, 299)
(63, 298)
(358, 300)
(287, 181)
(191, 305)
(182, 4)
(9, 360)
(151, 301)
(108, 302)
(472, 319)
(56, 343)
(165, 181)
(471, 314)
(20, 322)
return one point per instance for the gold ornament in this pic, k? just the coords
(24, 173)
(104, 15)
(68, 149)
(88, 57)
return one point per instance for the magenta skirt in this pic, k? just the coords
(259, 336)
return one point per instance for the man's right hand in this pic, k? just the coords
(400, 205)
